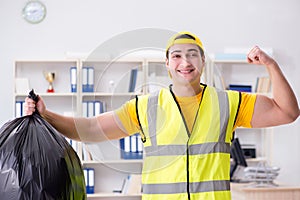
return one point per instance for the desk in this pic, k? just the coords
(282, 192)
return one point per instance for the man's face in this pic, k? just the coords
(185, 63)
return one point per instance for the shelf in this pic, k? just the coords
(120, 161)
(108, 94)
(230, 61)
(256, 160)
(112, 195)
(67, 94)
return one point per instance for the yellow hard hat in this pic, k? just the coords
(184, 37)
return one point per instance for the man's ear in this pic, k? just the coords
(167, 66)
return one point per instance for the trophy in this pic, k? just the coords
(50, 76)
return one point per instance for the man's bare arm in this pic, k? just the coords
(96, 129)
(282, 108)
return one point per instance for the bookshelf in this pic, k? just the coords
(222, 73)
(111, 86)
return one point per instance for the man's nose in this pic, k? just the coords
(185, 61)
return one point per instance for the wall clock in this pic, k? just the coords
(34, 11)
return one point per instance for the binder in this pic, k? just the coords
(127, 144)
(19, 110)
(87, 79)
(132, 81)
(90, 109)
(90, 80)
(73, 79)
(84, 79)
(139, 143)
(84, 108)
(89, 176)
(97, 107)
(133, 143)
(240, 88)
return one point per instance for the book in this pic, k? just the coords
(263, 85)
(132, 81)
(73, 79)
(90, 80)
(89, 176)
(87, 79)
(240, 88)
(19, 109)
(230, 56)
(132, 184)
(219, 82)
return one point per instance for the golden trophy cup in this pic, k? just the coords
(50, 76)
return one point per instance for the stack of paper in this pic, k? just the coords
(262, 175)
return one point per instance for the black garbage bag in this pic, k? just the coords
(37, 163)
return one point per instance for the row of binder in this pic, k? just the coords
(131, 147)
(19, 111)
(89, 108)
(88, 76)
(93, 108)
(87, 79)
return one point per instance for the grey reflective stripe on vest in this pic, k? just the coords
(174, 188)
(224, 114)
(194, 149)
(151, 115)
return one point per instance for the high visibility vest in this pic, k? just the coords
(182, 166)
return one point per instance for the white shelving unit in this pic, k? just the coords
(111, 84)
(243, 73)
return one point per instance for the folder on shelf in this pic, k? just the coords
(84, 109)
(240, 88)
(133, 184)
(90, 79)
(86, 154)
(132, 81)
(87, 79)
(263, 85)
(73, 79)
(84, 79)
(90, 109)
(99, 107)
(131, 147)
(19, 109)
(89, 175)
(230, 56)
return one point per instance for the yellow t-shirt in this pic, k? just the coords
(128, 117)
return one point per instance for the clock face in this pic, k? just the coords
(34, 12)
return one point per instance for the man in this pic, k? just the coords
(186, 128)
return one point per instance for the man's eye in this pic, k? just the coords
(193, 55)
(176, 56)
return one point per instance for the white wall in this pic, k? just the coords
(80, 26)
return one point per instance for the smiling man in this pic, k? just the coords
(187, 128)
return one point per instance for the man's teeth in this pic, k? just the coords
(186, 71)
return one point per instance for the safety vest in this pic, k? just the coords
(182, 166)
